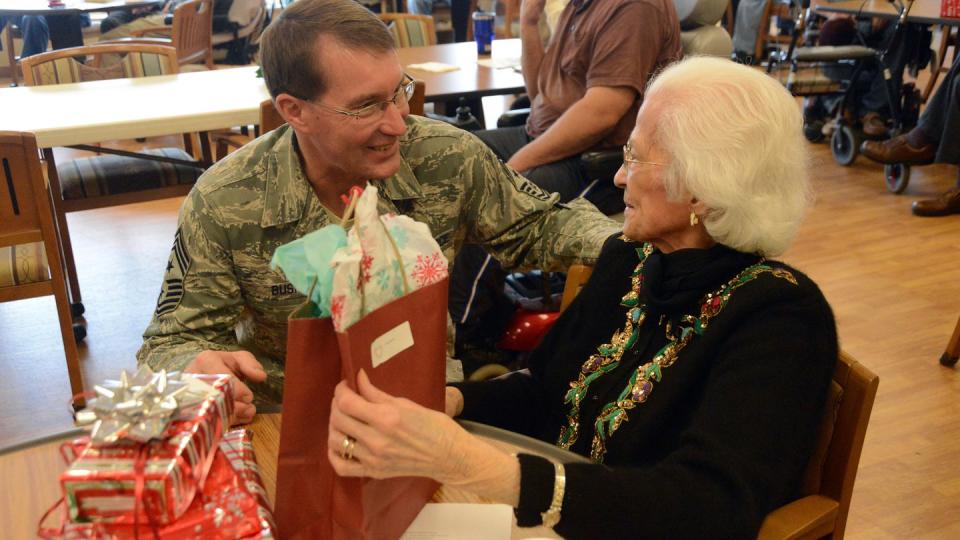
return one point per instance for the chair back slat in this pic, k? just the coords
(99, 62)
(19, 214)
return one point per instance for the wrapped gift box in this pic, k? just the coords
(231, 505)
(100, 485)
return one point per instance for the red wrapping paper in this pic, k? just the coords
(231, 505)
(100, 484)
(950, 8)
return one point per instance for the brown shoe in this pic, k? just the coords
(898, 150)
(944, 205)
(873, 125)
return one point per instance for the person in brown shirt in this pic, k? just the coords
(586, 86)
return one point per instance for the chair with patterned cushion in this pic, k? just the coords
(410, 30)
(30, 257)
(107, 180)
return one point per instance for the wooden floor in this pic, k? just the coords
(893, 280)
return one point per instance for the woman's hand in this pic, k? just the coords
(454, 402)
(396, 437)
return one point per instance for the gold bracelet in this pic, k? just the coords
(552, 516)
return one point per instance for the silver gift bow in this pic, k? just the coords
(139, 407)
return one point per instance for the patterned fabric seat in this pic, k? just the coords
(111, 175)
(22, 264)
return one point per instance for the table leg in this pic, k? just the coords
(65, 31)
(70, 266)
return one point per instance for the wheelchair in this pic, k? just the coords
(829, 71)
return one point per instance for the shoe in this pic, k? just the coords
(744, 58)
(898, 150)
(873, 125)
(944, 205)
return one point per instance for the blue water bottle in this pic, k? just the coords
(483, 30)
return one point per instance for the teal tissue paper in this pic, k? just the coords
(306, 261)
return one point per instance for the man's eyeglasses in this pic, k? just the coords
(628, 157)
(375, 110)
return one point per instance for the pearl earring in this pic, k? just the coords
(694, 219)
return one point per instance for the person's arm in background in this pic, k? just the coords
(531, 54)
(578, 129)
(518, 223)
(612, 86)
(192, 328)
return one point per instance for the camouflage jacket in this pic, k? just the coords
(219, 292)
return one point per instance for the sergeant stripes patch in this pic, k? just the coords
(171, 291)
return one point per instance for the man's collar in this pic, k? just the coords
(287, 190)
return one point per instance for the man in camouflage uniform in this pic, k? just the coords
(223, 309)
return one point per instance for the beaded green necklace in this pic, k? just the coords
(640, 384)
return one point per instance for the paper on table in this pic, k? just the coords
(433, 67)
(461, 521)
(499, 63)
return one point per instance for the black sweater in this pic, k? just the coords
(723, 438)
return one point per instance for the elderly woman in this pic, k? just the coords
(691, 369)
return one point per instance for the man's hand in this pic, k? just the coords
(242, 365)
(531, 11)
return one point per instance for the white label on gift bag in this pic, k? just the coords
(391, 343)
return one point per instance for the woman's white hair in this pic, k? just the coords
(736, 142)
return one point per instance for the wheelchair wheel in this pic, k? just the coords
(844, 145)
(897, 177)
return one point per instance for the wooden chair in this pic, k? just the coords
(828, 481)
(191, 33)
(10, 33)
(577, 276)
(270, 120)
(773, 8)
(107, 180)
(29, 244)
(410, 30)
(952, 353)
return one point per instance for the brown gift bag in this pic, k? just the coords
(402, 347)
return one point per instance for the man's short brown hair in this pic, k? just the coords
(288, 45)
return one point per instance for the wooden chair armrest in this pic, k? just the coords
(165, 30)
(810, 517)
(147, 41)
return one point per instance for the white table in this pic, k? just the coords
(98, 111)
(92, 112)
